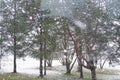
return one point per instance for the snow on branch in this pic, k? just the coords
(79, 24)
(116, 23)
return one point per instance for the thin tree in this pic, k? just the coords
(13, 22)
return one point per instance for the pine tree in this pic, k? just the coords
(15, 28)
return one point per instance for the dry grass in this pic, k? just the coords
(12, 76)
(103, 75)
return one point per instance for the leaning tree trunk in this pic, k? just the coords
(70, 67)
(78, 50)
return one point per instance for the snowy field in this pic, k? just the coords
(30, 66)
(27, 65)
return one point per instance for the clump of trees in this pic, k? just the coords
(27, 29)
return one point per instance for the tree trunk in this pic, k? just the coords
(41, 68)
(93, 74)
(81, 71)
(80, 68)
(68, 71)
(14, 68)
(63, 62)
(0, 63)
(102, 64)
(1, 52)
(49, 63)
(45, 67)
(14, 56)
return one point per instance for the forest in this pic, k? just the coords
(59, 40)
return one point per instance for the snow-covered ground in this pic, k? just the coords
(30, 66)
(113, 66)
(26, 66)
